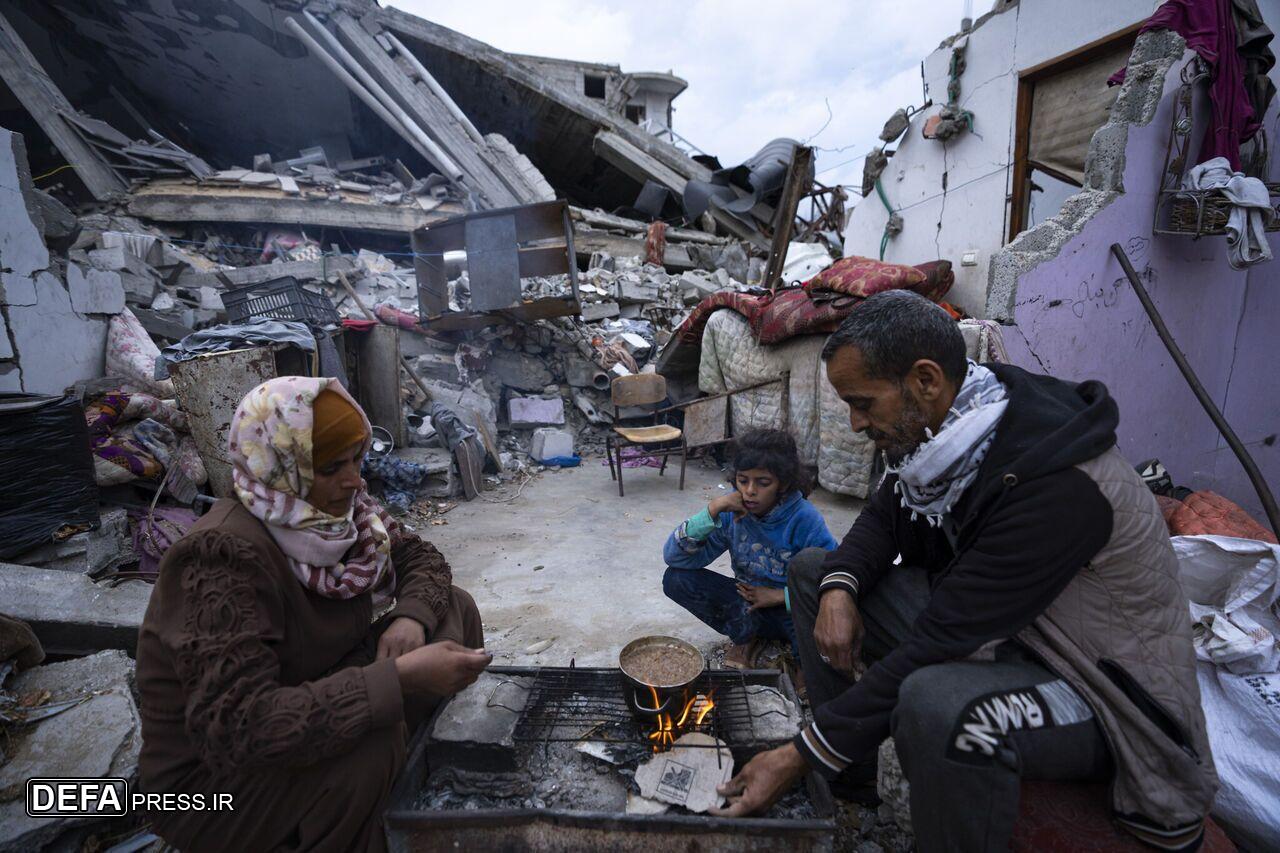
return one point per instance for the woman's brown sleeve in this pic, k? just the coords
(238, 715)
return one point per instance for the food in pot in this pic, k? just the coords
(662, 665)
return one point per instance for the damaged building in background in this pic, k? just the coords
(1025, 168)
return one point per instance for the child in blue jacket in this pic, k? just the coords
(761, 524)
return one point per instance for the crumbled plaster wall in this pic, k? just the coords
(1071, 312)
(953, 195)
(1136, 104)
(53, 319)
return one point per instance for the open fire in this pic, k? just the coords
(693, 714)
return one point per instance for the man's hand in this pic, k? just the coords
(441, 668)
(731, 502)
(403, 635)
(760, 597)
(838, 632)
(759, 785)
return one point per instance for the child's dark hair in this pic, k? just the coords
(775, 451)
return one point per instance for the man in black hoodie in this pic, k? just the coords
(1012, 587)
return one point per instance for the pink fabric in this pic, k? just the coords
(395, 317)
(1210, 30)
(131, 355)
(270, 445)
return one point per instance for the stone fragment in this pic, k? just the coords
(535, 411)
(518, 370)
(99, 737)
(475, 730)
(892, 785)
(593, 311)
(95, 291)
(550, 443)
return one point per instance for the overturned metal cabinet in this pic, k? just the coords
(502, 247)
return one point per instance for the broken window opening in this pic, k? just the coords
(1061, 103)
(635, 113)
(593, 86)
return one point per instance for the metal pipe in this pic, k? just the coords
(428, 147)
(434, 85)
(1237, 446)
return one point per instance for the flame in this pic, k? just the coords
(664, 736)
(694, 712)
(707, 705)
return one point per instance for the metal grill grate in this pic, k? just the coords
(570, 704)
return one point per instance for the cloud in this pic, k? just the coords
(757, 70)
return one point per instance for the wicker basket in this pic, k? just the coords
(1185, 215)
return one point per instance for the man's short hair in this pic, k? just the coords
(895, 329)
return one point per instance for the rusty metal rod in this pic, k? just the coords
(1211, 408)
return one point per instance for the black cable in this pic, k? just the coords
(1233, 441)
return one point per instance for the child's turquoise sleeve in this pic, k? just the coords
(700, 526)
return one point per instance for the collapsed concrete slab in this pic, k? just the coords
(70, 614)
(99, 737)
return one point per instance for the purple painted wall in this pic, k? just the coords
(1077, 318)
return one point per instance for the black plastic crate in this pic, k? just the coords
(282, 299)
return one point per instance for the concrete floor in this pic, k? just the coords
(570, 561)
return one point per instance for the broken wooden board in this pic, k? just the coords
(181, 201)
(46, 104)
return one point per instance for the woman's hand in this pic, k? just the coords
(403, 635)
(441, 668)
(731, 502)
(760, 597)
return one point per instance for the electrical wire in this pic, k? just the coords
(54, 172)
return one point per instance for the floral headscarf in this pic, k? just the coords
(270, 445)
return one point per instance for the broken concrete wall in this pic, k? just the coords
(1076, 316)
(53, 321)
(953, 195)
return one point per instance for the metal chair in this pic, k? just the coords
(706, 419)
(643, 389)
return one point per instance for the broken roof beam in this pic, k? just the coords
(347, 70)
(47, 107)
(172, 201)
(424, 107)
(620, 153)
(497, 62)
(588, 242)
(655, 150)
(600, 219)
(325, 268)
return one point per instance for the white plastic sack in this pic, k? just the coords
(1232, 584)
(804, 261)
(1243, 716)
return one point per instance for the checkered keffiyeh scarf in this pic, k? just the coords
(934, 476)
(270, 446)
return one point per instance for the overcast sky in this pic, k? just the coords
(756, 70)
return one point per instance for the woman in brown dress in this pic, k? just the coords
(261, 670)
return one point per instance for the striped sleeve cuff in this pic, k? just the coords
(839, 580)
(818, 752)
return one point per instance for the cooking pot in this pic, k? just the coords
(640, 688)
